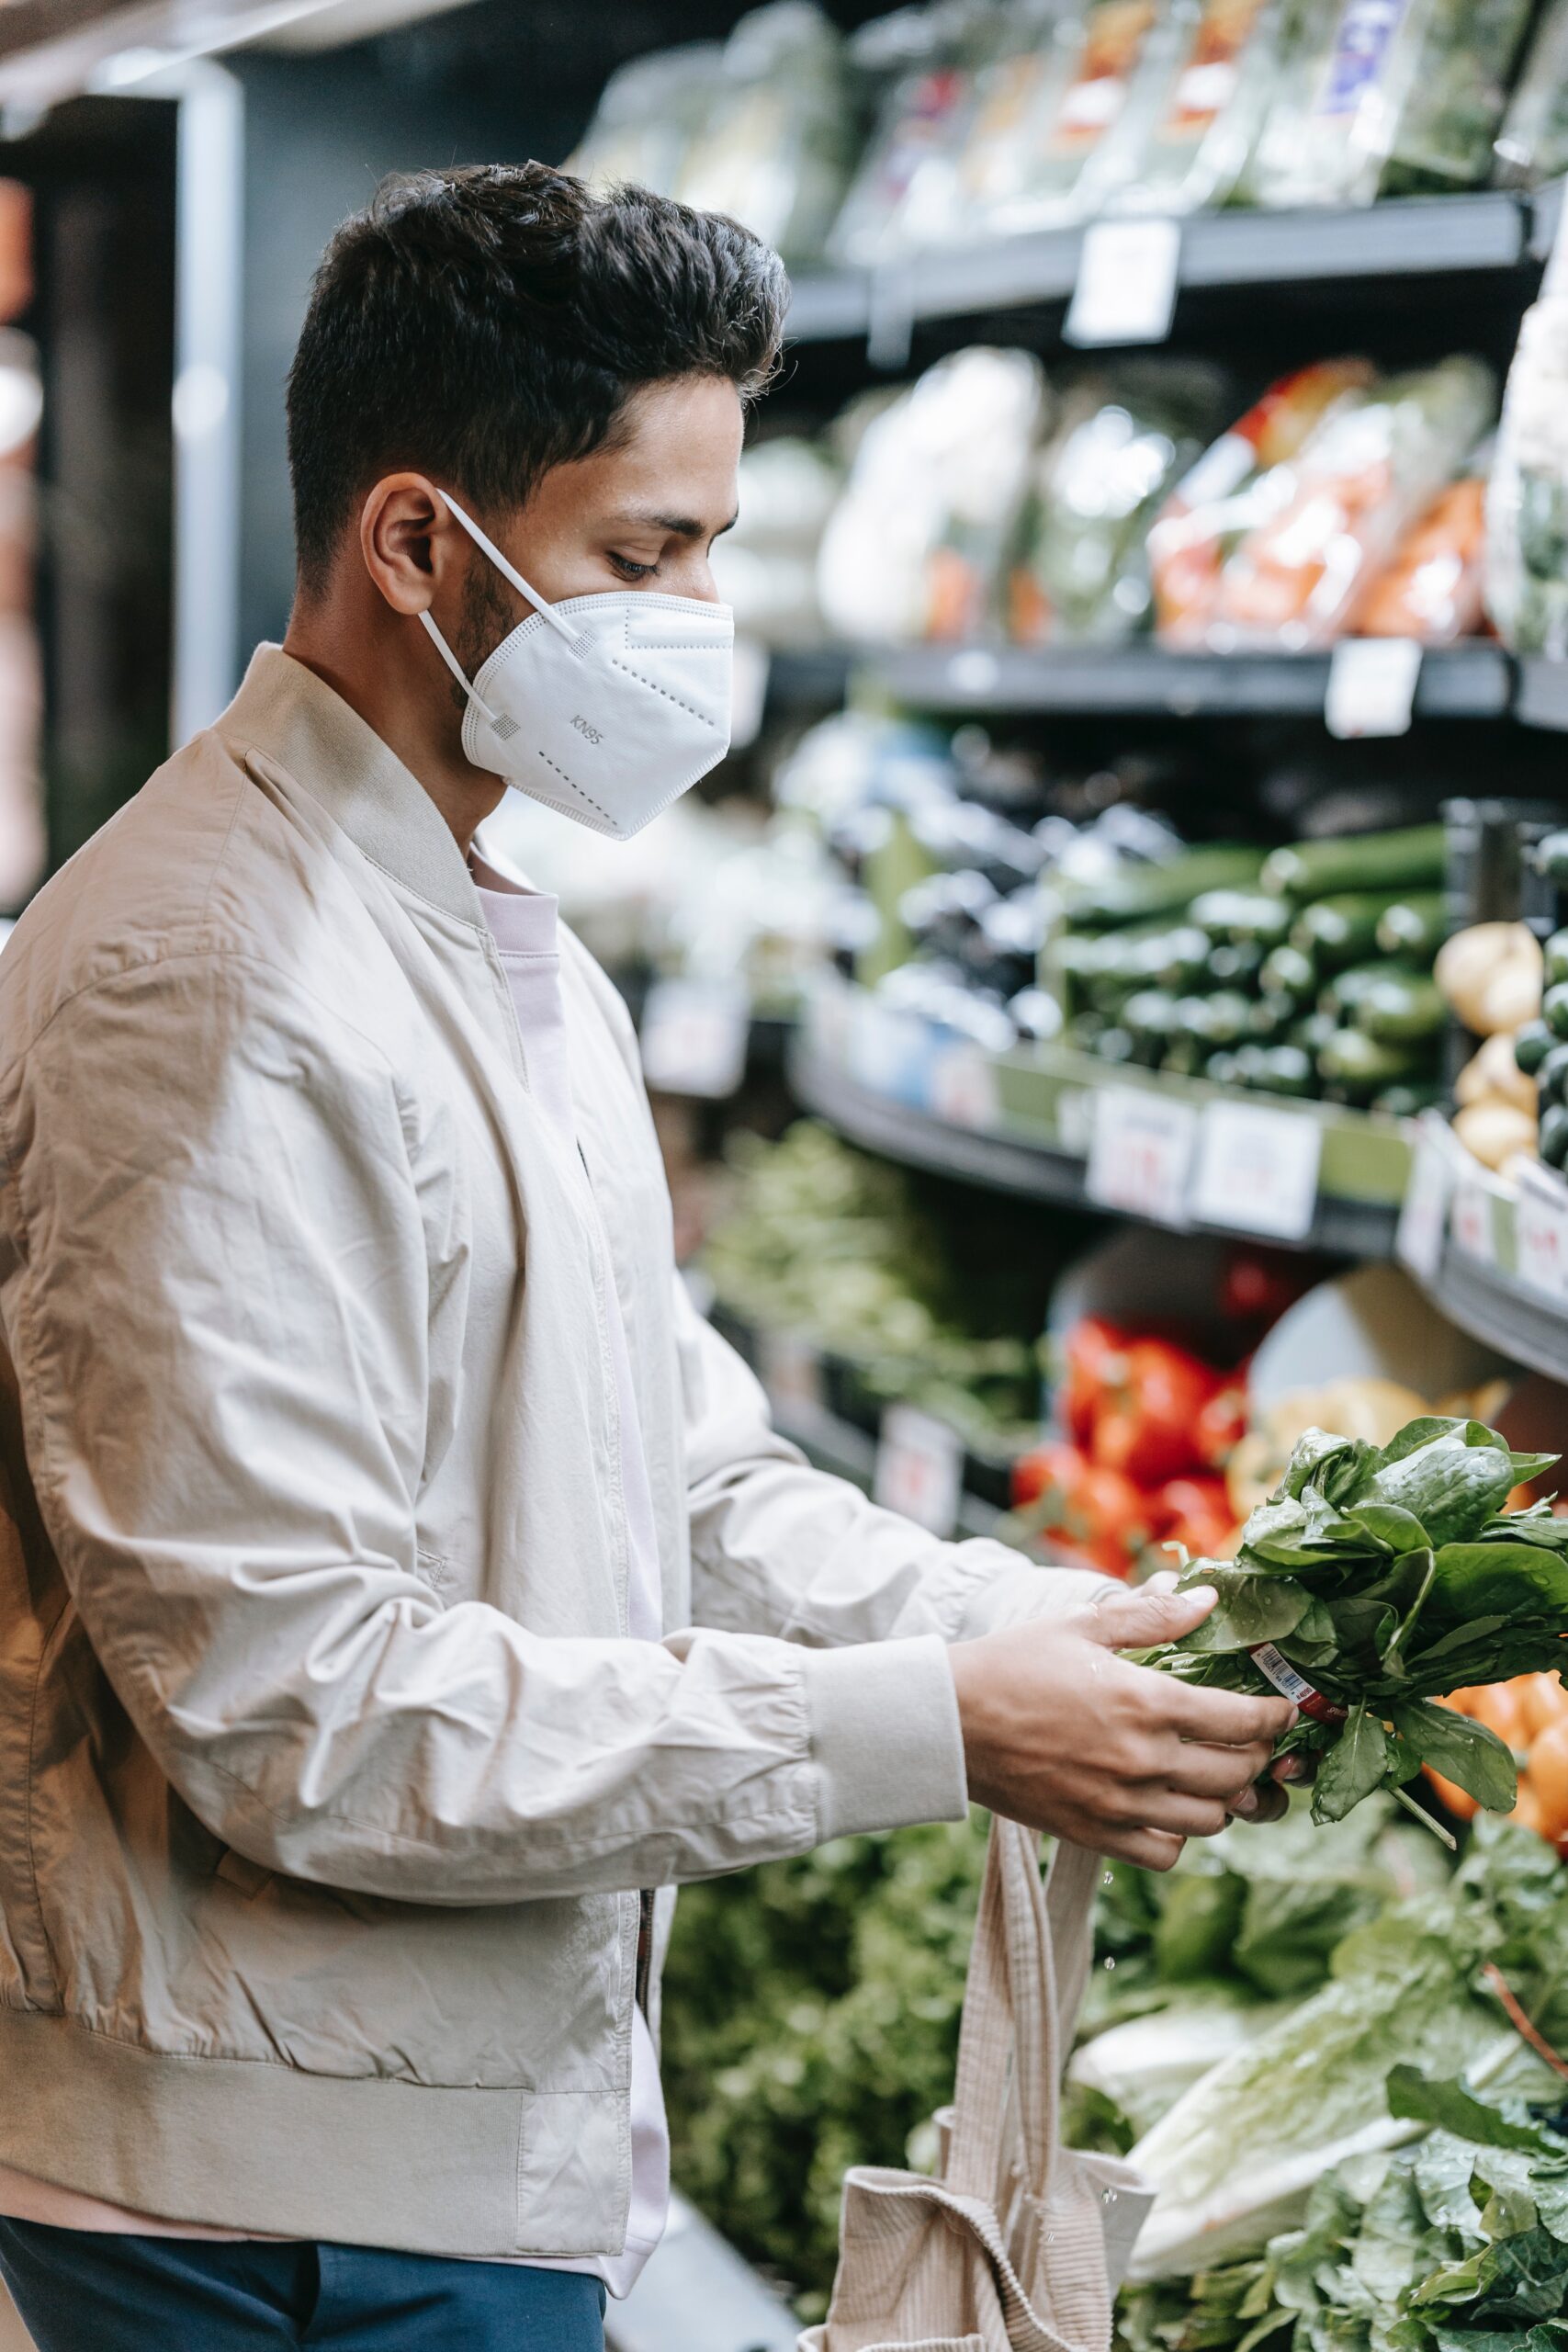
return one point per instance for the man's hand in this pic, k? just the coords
(1062, 1734)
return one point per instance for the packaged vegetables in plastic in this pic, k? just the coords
(1532, 145)
(1434, 589)
(775, 145)
(649, 113)
(1064, 154)
(1386, 97)
(927, 60)
(1238, 483)
(1209, 109)
(916, 540)
(1526, 498)
(1081, 574)
(1361, 479)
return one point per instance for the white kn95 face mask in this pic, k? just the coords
(607, 707)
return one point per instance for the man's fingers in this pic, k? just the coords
(1174, 1811)
(1206, 1772)
(1225, 1718)
(1266, 1801)
(1151, 1849)
(1141, 1620)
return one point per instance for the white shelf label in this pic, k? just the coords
(695, 1035)
(1371, 686)
(1424, 1214)
(1540, 1234)
(919, 1469)
(1141, 1154)
(1471, 1221)
(1126, 283)
(963, 1087)
(1258, 1169)
(790, 1368)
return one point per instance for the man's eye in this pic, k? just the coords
(630, 570)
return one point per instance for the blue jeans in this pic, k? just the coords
(79, 2290)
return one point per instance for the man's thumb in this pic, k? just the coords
(1141, 1620)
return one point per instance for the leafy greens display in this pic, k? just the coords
(1373, 1581)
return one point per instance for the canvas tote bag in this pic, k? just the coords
(1018, 2245)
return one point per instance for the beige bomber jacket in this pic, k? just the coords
(327, 1773)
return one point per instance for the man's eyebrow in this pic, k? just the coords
(680, 526)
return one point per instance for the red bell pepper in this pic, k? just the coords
(1148, 1431)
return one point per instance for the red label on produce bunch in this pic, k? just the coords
(1294, 1686)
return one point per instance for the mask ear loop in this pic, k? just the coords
(455, 665)
(574, 638)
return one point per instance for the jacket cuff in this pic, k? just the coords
(884, 1736)
(1020, 1591)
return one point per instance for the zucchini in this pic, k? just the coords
(1346, 990)
(1150, 1016)
(1554, 954)
(1184, 1056)
(1339, 930)
(1183, 957)
(1551, 1074)
(1398, 1009)
(1408, 1099)
(1116, 1044)
(1416, 926)
(1554, 1009)
(1287, 971)
(1312, 1031)
(1532, 1046)
(1270, 1018)
(1553, 1140)
(1550, 856)
(1218, 1019)
(1411, 859)
(1238, 961)
(1242, 917)
(1352, 1059)
(1220, 1069)
(1084, 1031)
(1286, 1069)
(1133, 893)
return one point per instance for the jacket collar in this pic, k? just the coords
(287, 712)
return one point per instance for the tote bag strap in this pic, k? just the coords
(1027, 1973)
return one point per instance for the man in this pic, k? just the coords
(368, 1471)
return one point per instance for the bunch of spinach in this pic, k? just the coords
(1385, 1576)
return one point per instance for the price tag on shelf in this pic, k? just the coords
(1471, 1220)
(1371, 686)
(1126, 283)
(1256, 1169)
(963, 1087)
(1423, 1213)
(1541, 1233)
(1141, 1154)
(790, 1368)
(695, 1035)
(919, 1469)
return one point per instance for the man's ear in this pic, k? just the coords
(411, 546)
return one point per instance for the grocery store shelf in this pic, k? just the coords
(1033, 1170)
(1459, 682)
(1495, 1308)
(1408, 237)
(850, 1453)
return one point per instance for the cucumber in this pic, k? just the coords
(1084, 1031)
(1411, 859)
(1219, 1019)
(1339, 930)
(1220, 1068)
(1133, 893)
(1287, 971)
(1353, 1060)
(1416, 926)
(1552, 1139)
(1286, 1069)
(1270, 1018)
(1397, 1010)
(1237, 962)
(1551, 1074)
(1184, 1056)
(1115, 1045)
(1183, 957)
(1408, 1099)
(1554, 1009)
(1150, 1015)
(1555, 954)
(1532, 1046)
(1242, 917)
(1347, 989)
(1312, 1031)
(1550, 857)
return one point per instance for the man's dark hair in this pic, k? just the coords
(485, 324)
